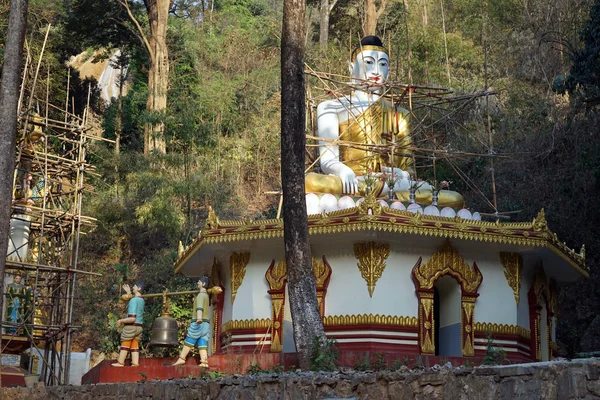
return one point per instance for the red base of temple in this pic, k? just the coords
(161, 368)
(13, 376)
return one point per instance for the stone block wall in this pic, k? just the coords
(579, 379)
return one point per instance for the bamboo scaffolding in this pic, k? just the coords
(50, 182)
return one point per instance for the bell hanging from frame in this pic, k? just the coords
(164, 332)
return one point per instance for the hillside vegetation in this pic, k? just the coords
(221, 124)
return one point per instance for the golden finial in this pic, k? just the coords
(370, 205)
(539, 223)
(180, 249)
(582, 252)
(212, 221)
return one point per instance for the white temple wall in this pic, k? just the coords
(252, 300)
(289, 345)
(523, 309)
(347, 294)
(226, 280)
(496, 301)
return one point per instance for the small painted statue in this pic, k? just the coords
(18, 305)
(198, 333)
(131, 335)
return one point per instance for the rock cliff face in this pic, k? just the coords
(551, 380)
(102, 70)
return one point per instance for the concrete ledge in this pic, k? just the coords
(549, 380)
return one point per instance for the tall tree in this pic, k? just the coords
(158, 71)
(324, 13)
(306, 319)
(373, 9)
(585, 73)
(9, 97)
(110, 28)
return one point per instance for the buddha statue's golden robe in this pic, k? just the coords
(363, 146)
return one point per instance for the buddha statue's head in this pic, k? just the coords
(370, 62)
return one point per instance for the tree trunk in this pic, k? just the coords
(324, 24)
(9, 97)
(370, 26)
(372, 14)
(306, 319)
(158, 75)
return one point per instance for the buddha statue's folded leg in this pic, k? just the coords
(446, 198)
(319, 183)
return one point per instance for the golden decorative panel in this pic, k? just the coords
(502, 329)
(513, 271)
(237, 267)
(427, 328)
(277, 301)
(276, 275)
(370, 319)
(215, 278)
(447, 261)
(215, 330)
(371, 261)
(468, 336)
(322, 272)
(541, 287)
(246, 324)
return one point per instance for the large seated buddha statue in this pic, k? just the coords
(365, 133)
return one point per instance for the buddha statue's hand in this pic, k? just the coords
(349, 181)
(346, 175)
(398, 173)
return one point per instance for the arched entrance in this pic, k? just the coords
(446, 262)
(447, 322)
(540, 316)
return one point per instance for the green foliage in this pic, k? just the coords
(588, 354)
(584, 77)
(324, 354)
(493, 355)
(254, 369)
(364, 364)
(378, 362)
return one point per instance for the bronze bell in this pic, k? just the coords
(164, 332)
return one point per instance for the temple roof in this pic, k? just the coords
(372, 216)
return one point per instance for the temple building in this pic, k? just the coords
(391, 280)
(400, 265)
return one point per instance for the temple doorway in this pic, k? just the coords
(447, 309)
(544, 332)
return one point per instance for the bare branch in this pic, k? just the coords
(137, 24)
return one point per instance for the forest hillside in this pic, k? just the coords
(198, 125)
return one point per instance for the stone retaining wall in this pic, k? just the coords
(561, 380)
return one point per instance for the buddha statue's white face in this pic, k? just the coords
(371, 65)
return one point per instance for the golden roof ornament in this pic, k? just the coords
(582, 252)
(212, 221)
(370, 205)
(180, 249)
(539, 223)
